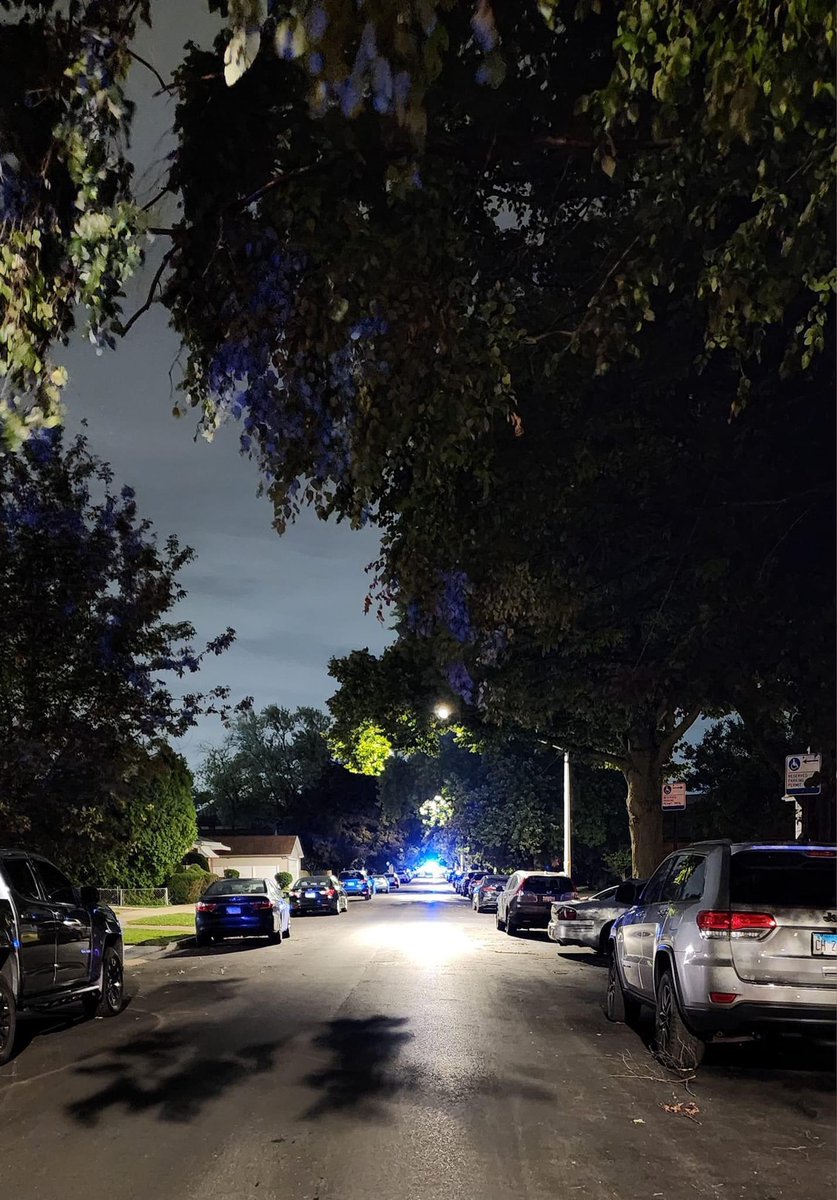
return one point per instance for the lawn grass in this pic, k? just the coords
(135, 936)
(185, 920)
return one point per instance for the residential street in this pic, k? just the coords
(404, 1049)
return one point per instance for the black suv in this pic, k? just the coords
(58, 945)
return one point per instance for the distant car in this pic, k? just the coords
(729, 937)
(472, 883)
(485, 893)
(461, 884)
(357, 884)
(381, 883)
(526, 900)
(587, 922)
(405, 875)
(59, 945)
(242, 908)
(393, 881)
(318, 893)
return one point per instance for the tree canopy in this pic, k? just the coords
(88, 648)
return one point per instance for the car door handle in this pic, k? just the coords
(73, 922)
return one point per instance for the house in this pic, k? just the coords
(253, 854)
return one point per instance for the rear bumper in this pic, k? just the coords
(574, 933)
(243, 926)
(530, 916)
(747, 1017)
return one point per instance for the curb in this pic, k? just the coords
(140, 954)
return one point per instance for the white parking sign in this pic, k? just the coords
(802, 773)
(674, 795)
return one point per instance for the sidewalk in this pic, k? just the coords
(129, 915)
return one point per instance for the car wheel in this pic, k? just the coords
(501, 925)
(107, 1002)
(619, 1007)
(675, 1043)
(8, 1020)
(511, 927)
(604, 940)
(275, 938)
(286, 933)
(203, 939)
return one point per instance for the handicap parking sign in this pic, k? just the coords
(802, 774)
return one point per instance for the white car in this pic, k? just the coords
(381, 883)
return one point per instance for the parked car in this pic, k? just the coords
(472, 883)
(454, 878)
(242, 908)
(526, 900)
(587, 922)
(58, 944)
(405, 875)
(461, 885)
(728, 937)
(357, 884)
(381, 883)
(318, 893)
(393, 881)
(485, 892)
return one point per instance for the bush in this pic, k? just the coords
(193, 859)
(284, 879)
(231, 873)
(189, 884)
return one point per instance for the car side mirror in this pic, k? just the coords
(88, 895)
(628, 892)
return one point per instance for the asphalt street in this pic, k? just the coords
(404, 1049)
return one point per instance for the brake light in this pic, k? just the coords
(296, 895)
(567, 914)
(205, 906)
(723, 997)
(714, 923)
(821, 853)
(330, 892)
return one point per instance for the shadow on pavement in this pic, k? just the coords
(238, 946)
(363, 1069)
(587, 958)
(33, 1026)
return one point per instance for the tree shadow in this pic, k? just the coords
(362, 1072)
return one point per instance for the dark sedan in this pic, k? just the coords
(318, 893)
(242, 908)
(485, 892)
(357, 884)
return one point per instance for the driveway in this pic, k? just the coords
(403, 1048)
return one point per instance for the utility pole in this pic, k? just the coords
(568, 815)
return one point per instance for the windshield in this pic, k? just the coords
(492, 879)
(784, 878)
(352, 875)
(236, 887)
(548, 885)
(314, 881)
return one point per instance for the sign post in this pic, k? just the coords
(674, 800)
(802, 778)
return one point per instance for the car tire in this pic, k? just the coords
(8, 1020)
(286, 933)
(107, 1002)
(512, 929)
(620, 1008)
(275, 938)
(604, 940)
(674, 1042)
(203, 939)
(501, 925)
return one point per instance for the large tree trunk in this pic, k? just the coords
(645, 818)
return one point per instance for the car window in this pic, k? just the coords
(549, 885)
(686, 878)
(20, 878)
(55, 883)
(653, 889)
(790, 878)
(236, 887)
(607, 894)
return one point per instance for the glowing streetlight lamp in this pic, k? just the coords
(442, 710)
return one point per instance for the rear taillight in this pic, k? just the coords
(723, 997)
(331, 892)
(718, 923)
(262, 904)
(567, 914)
(205, 906)
(295, 895)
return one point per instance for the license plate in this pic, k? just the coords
(824, 945)
(310, 895)
(233, 909)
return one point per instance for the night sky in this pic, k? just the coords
(294, 601)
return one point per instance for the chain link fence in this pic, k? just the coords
(134, 897)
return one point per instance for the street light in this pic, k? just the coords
(442, 710)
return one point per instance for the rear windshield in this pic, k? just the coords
(314, 881)
(351, 875)
(548, 885)
(495, 879)
(786, 878)
(236, 887)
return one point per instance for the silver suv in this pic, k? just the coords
(728, 937)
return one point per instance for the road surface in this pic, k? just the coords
(404, 1049)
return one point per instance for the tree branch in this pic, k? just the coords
(149, 300)
(668, 743)
(138, 58)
